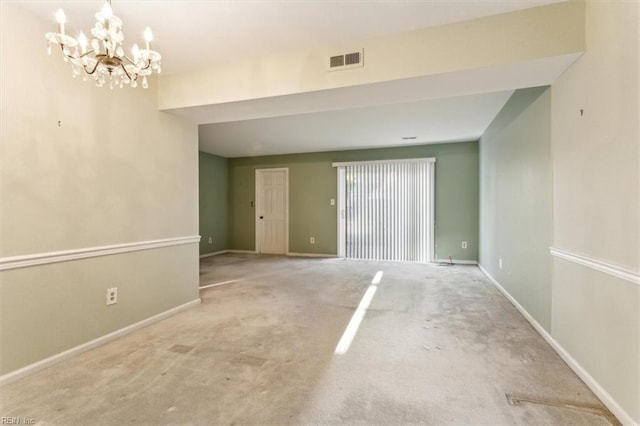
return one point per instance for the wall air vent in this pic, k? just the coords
(346, 60)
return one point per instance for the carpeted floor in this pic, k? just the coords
(437, 345)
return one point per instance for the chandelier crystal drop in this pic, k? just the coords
(103, 57)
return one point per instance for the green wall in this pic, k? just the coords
(213, 186)
(313, 183)
(516, 200)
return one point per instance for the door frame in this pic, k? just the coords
(258, 206)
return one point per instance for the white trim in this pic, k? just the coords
(220, 283)
(457, 261)
(600, 392)
(216, 253)
(401, 160)
(29, 260)
(287, 254)
(47, 362)
(311, 255)
(598, 265)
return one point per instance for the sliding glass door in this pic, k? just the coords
(386, 210)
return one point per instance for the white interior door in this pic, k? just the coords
(272, 211)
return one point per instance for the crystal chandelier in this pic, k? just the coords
(103, 58)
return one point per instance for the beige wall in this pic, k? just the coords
(596, 190)
(114, 171)
(596, 155)
(533, 34)
(596, 318)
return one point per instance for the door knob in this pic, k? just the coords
(261, 217)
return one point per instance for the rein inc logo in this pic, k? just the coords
(17, 421)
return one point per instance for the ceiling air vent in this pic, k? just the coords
(346, 60)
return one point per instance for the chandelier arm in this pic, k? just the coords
(93, 70)
(148, 63)
(70, 56)
(75, 58)
(127, 74)
(85, 54)
(146, 67)
(129, 60)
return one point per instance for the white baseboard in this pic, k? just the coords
(228, 251)
(288, 254)
(597, 389)
(216, 253)
(457, 261)
(47, 362)
(220, 283)
(311, 255)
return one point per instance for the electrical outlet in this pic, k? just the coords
(312, 240)
(500, 263)
(112, 296)
(210, 240)
(333, 201)
(464, 244)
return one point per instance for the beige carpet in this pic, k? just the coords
(438, 345)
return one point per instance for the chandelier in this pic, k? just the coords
(103, 57)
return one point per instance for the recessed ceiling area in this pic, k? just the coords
(437, 120)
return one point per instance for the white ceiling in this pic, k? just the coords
(381, 126)
(192, 33)
(197, 33)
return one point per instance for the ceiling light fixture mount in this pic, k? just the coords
(104, 58)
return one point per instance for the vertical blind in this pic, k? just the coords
(388, 210)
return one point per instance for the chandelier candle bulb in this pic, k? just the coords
(82, 40)
(61, 19)
(107, 12)
(148, 36)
